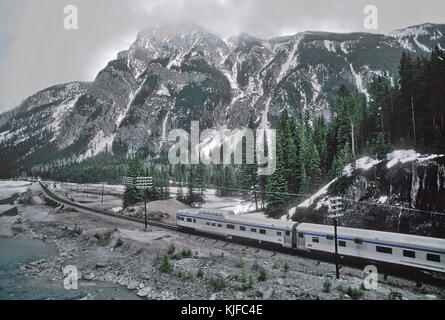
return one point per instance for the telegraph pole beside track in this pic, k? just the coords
(334, 208)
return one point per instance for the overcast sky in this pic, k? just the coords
(36, 51)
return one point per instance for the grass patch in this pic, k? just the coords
(354, 293)
(166, 266)
(77, 230)
(327, 284)
(51, 203)
(119, 243)
(286, 267)
(186, 253)
(262, 274)
(239, 263)
(218, 283)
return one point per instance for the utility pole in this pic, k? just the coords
(333, 209)
(141, 183)
(103, 183)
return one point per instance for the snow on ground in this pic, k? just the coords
(382, 199)
(289, 214)
(8, 188)
(364, 163)
(311, 200)
(404, 156)
(243, 207)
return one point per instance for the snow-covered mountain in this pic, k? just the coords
(398, 193)
(168, 78)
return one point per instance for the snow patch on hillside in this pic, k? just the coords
(320, 193)
(131, 98)
(359, 81)
(98, 144)
(60, 112)
(292, 60)
(163, 91)
(329, 45)
(421, 46)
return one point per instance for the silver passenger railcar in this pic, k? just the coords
(227, 224)
(409, 250)
(423, 253)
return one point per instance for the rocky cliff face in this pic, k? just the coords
(168, 78)
(397, 194)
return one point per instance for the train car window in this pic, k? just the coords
(262, 231)
(287, 233)
(194, 220)
(208, 223)
(433, 257)
(342, 243)
(253, 229)
(383, 249)
(220, 225)
(315, 239)
(189, 220)
(230, 226)
(241, 228)
(409, 253)
(330, 237)
(213, 224)
(278, 233)
(301, 235)
(358, 241)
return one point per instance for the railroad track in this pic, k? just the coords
(78, 206)
(349, 263)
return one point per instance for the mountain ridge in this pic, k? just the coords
(164, 83)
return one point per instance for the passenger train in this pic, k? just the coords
(424, 253)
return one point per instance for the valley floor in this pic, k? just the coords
(115, 251)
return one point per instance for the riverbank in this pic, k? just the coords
(163, 264)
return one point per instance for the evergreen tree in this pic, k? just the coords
(133, 195)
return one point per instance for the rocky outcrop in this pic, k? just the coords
(403, 193)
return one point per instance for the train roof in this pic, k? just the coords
(218, 213)
(372, 235)
(255, 218)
